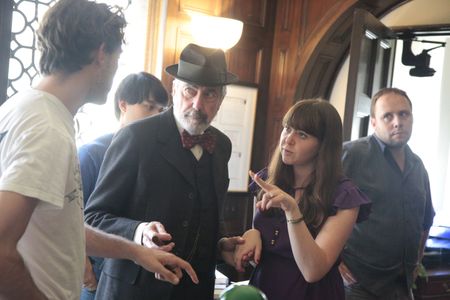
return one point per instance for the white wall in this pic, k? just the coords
(416, 12)
(96, 120)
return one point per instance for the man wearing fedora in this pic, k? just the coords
(163, 182)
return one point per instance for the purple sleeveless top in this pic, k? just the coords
(277, 274)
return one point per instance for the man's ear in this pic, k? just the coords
(123, 106)
(372, 121)
(100, 55)
(173, 89)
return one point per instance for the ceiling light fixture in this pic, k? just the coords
(215, 32)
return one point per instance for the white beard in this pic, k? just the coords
(191, 125)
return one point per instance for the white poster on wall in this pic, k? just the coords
(236, 118)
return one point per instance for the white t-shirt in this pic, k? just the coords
(38, 159)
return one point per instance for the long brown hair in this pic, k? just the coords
(320, 119)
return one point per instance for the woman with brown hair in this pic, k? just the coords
(306, 209)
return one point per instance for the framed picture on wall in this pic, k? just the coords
(236, 118)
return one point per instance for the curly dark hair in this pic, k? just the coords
(72, 30)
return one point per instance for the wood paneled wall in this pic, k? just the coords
(300, 26)
(311, 40)
(289, 50)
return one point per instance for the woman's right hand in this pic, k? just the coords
(274, 197)
(250, 250)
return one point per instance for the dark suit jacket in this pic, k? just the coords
(145, 177)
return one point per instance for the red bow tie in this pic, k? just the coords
(206, 140)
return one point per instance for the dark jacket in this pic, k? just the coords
(386, 246)
(147, 176)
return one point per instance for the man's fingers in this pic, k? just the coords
(160, 228)
(161, 239)
(347, 279)
(346, 274)
(239, 240)
(173, 262)
(189, 270)
(163, 236)
(167, 248)
(157, 228)
(232, 242)
(167, 275)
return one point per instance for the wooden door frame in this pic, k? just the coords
(380, 61)
(316, 79)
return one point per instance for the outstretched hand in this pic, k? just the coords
(155, 236)
(166, 266)
(273, 196)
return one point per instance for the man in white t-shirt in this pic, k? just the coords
(43, 238)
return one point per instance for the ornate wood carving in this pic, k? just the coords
(251, 12)
(246, 60)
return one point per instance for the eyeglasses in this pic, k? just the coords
(209, 94)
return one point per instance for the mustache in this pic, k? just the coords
(196, 115)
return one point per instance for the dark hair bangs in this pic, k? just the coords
(304, 116)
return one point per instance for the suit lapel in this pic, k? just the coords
(171, 148)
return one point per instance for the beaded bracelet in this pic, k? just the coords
(294, 221)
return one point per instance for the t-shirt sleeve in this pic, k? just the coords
(347, 196)
(37, 163)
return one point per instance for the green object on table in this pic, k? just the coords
(242, 292)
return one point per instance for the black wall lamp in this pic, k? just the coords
(421, 62)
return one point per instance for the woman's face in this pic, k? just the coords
(297, 147)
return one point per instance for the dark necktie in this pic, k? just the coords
(206, 140)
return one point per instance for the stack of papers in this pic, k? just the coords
(222, 282)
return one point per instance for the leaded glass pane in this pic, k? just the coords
(23, 63)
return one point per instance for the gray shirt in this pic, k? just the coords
(385, 247)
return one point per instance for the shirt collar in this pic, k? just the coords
(380, 143)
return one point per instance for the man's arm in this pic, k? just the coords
(15, 279)
(423, 240)
(165, 265)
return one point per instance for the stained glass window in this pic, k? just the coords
(24, 58)
(91, 120)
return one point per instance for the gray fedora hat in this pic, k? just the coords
(202, 66)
